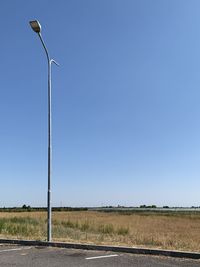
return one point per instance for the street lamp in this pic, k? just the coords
(35, 25)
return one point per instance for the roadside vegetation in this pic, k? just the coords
(180, 231)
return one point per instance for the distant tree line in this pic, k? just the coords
(119, 207)
(28, 208)
(148, 207)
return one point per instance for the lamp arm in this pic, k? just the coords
(46, 51)
(45, 48)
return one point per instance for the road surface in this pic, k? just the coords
(20, 256)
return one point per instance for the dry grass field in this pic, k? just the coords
(168, 231)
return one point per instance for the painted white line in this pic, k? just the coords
(13, 249)
(100, 257)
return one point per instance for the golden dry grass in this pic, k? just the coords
(180, 232)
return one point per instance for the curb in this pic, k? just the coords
(133, 250)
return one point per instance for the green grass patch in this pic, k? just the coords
(18, 226)
(123, 231)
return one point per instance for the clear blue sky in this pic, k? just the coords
(126, 102)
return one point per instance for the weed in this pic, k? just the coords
(68, 224)
(106, 229)
(85, 226)
(123, 231)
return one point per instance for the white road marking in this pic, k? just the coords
(13, 249)
(100, 257)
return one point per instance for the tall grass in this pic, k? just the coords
(155, 230)
(16, 226)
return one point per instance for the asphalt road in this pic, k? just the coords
(19, 256)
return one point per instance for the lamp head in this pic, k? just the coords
(35, 25)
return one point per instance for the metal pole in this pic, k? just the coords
(49, 155)
(49, 231)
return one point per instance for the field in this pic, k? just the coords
(180, 231)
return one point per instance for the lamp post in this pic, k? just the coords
(35, 25)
